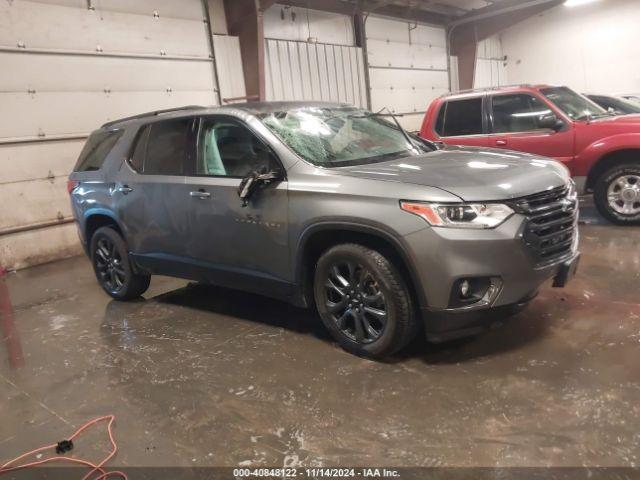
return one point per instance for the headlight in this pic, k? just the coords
(572, 192)
(462, 215)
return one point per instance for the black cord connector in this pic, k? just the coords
(64, 446)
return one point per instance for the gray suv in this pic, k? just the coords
(325, 205)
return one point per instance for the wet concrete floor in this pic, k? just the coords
(205, 376)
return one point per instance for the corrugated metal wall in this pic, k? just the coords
(407, 67)
(491, 69)
(314, 71)
(328, 68)
(66, 67)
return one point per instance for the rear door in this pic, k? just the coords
(462, 122)
(514, 126)
(151, 191)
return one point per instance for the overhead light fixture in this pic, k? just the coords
(576, 3)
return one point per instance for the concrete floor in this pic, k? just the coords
(205, 376)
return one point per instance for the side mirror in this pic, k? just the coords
(254, 180)
(550, 121)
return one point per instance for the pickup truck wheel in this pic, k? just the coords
(617, 194)
(363, 301)
(110, 258)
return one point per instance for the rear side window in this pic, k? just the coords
(140, 151)
(161, 148)
(96, 149)
(461, 117)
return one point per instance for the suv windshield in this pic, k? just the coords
(574, 105)
(341, 136)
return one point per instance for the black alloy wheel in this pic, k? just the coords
(113, 269)
(363, 300)
(355, 302)
(109, 266)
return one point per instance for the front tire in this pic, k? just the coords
(617, 194)
(110, 259)
(363, 301)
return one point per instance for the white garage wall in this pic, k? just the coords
(407, 67)
(591, 47)
(64, 70)
(491, 70)
(290, 23)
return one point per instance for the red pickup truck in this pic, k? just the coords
(601, 150)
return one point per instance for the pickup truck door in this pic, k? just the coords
(514, 126)
(462, 122)
(241, 246)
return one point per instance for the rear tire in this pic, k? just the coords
(617, 194)
(364, 301)
(113, 269)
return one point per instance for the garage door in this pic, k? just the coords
(407, 67)
(67, 67)
(298, 70)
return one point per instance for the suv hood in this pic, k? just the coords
(473, 174)
(632, 119)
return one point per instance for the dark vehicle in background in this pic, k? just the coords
(601, 150)
(325, 206)
(615, 105)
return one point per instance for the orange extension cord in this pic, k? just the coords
(95, 468)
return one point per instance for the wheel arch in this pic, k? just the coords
(319, 237)
(97, 218)
(608, 160)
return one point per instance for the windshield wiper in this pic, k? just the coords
(409, 138)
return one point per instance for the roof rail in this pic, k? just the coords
(489, 89)
(152, 114)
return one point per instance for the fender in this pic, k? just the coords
(589, 157)
(103, 212)
(371, 228)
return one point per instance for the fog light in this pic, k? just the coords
(464, 288)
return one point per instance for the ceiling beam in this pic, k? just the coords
(383, 8)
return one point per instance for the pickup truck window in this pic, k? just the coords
(460, 117)
(519, 112)
(574, 105)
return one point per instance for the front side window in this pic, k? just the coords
(519, 112)
(96, 149)
(166, 147)
(462, 117)
(575, 106)
(228, 148)
(341, 136)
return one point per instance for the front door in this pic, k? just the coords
(514, 126)
(244, 246)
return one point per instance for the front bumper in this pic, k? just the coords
(446, 255)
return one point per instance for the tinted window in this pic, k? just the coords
(440, 121)
(137, 158)
(517, 113)
(96, 149)
(619, 105)
(463, 117)
(227, 148)
(167, 147)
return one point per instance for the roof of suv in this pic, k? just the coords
(255, 108)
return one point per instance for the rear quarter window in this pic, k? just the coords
(95, 151)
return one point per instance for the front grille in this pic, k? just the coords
(551, 227)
